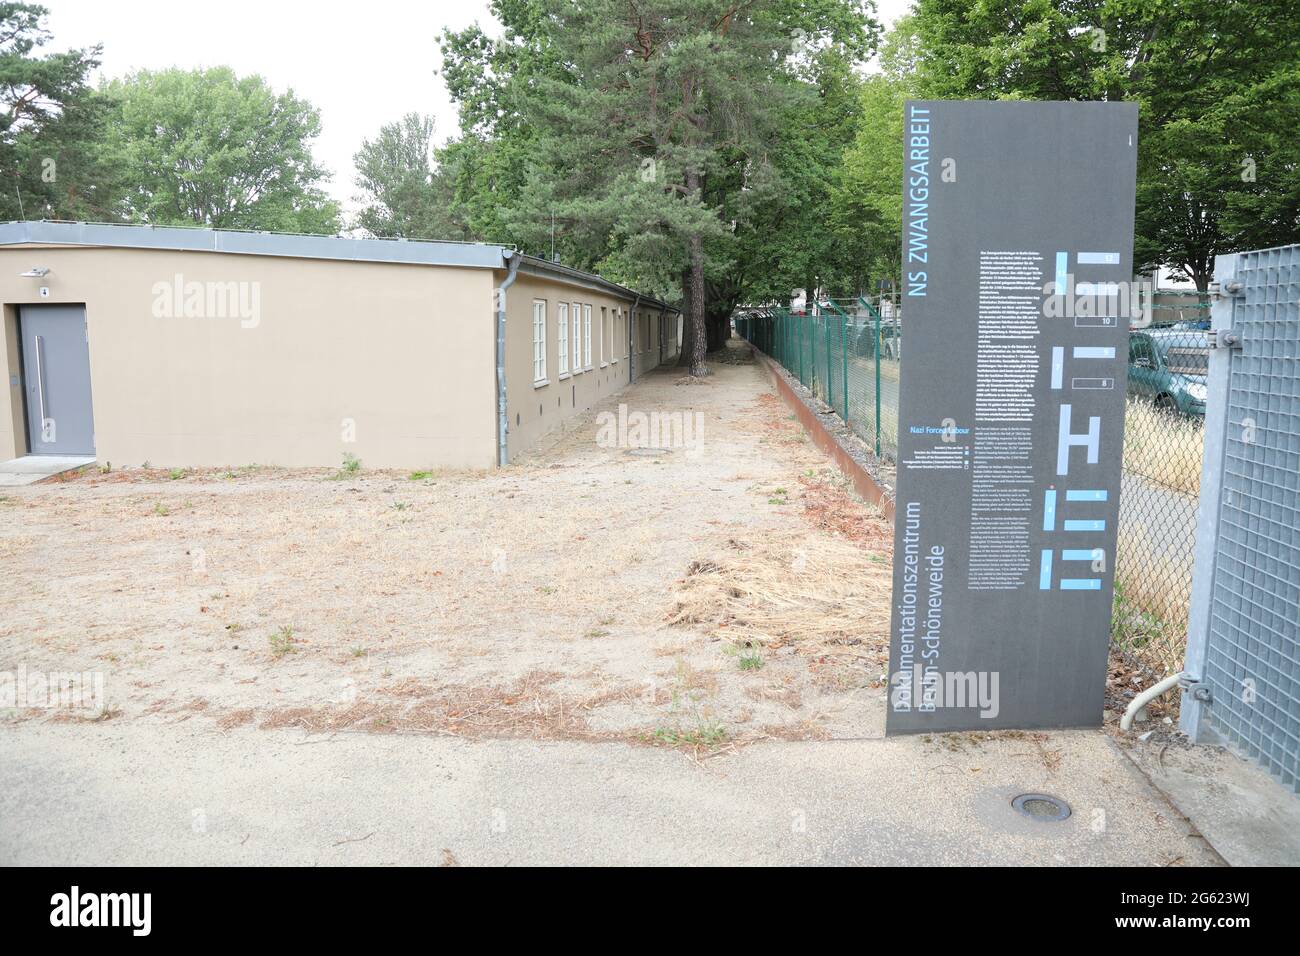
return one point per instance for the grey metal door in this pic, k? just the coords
(1243, 643)
(56, 379)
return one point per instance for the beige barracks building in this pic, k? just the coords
(192, 347)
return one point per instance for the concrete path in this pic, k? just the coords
(137, 793)
(1250, 818)
(32, 468)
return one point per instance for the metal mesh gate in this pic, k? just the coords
(1243, 655)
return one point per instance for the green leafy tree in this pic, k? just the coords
(403, 195)
(494, 83)
(210, 148)
(1215, 81)
(783, 240)
(866, 208)
(51, 125)
(641, 135)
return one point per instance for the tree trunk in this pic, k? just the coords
(1202, 272)
(717, 326)
(698, 343)
(688, 335)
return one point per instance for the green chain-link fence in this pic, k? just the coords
(848, 353)
(1163, 445)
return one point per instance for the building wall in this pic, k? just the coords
(535, 409)
(401, 354)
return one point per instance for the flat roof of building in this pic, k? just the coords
(465, 255)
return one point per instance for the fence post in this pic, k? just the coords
(878, 344)
(830, 396)
(800, 337)
(787, 326)
(1191, 714)
(844, 357)
(875, 318)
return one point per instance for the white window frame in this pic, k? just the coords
(604, 336)
(613, 336)
(562, 338)
(577, 338)
(586, 333)
(539, 343)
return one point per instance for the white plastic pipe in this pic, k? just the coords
(1144, 698)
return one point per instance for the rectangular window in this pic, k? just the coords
(586, 332)
(539, 342)
(613, 336)
(577, 338)
(604, 336)
(562, 338)
(628, 319)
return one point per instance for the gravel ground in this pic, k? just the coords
(527, 602)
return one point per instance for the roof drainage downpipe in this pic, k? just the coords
(1148, 695)
(511, 257)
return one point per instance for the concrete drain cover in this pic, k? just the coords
(648, 452)
(1039, 806)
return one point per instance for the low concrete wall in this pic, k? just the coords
(863, 483)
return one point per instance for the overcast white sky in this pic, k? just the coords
(362, 65)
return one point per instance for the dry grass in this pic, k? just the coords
(829, 508)
(1163, 448)
(778, 590)
(528, 707)
(1152, 590)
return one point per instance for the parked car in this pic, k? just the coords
(1168, 367)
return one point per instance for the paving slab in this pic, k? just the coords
(1250, 818)
(33, 468)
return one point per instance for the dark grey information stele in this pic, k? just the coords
(1016, 278)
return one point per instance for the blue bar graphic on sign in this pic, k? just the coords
(1086, 494)
(1085, 526)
